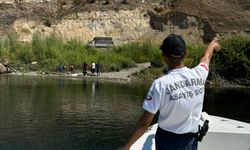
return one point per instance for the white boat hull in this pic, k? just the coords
(223, 134)
(225, 141)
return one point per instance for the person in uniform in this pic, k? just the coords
(177, 96)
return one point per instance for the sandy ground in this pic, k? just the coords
(122, 75)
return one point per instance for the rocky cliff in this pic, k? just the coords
(196, 20)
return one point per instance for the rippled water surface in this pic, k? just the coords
(62, 114)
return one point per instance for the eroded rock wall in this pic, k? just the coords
(122, 25)
(197, 21)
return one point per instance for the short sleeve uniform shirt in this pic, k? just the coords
(178, 96)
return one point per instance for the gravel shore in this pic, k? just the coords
(122, 75)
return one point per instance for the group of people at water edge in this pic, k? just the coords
(92, 69)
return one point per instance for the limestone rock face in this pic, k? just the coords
(7, 1)
(197, 21)
(27, 1)
(122, 25)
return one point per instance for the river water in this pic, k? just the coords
(60, 114)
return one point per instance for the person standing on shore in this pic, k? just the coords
(93, 68)
(71, 68)
(177, 96)
(61, 68)
(84, 68)
(98, 69)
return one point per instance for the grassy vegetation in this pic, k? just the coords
(231, 63)
(52, 50)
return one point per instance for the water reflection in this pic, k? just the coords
(61, 82)
(232, 103)
(149, 142)
(92, 89)
(37, 113)
(84, 85)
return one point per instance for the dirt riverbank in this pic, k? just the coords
(125, 76)
(119, 76)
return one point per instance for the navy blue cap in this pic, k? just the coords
(173, 46)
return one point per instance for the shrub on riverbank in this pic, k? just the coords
(233, 61)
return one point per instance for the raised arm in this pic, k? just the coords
(213, 46)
